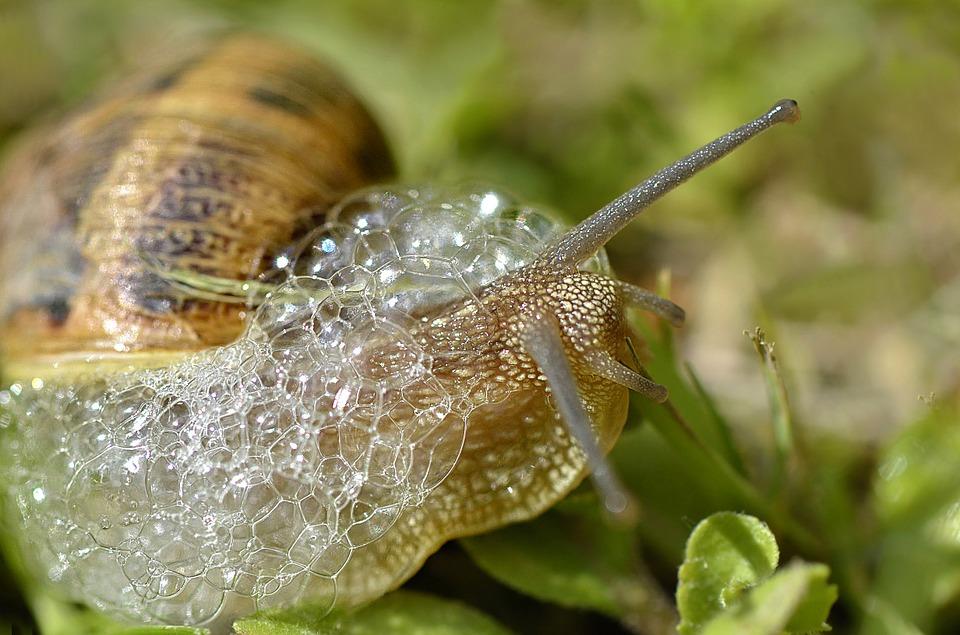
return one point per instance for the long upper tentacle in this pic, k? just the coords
(589, 236)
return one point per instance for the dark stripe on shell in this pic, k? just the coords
(280, 102)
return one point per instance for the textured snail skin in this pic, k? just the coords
(378, 404)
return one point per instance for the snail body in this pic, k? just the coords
(420, 363)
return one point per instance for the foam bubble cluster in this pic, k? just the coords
(247, 476)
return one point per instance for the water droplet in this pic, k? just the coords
(489, 203)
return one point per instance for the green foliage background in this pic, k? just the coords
(840, 235)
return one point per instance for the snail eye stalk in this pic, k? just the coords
(589, 236)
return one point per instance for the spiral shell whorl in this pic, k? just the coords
(210, 166)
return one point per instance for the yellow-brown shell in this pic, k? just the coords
(210, 166)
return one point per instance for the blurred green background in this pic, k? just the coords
(840, 235)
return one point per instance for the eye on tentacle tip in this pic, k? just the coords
(786, 110)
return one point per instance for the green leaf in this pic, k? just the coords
(696, 411)
(399, 613)
(813, 609)
(918, 478)
(572, 557)
(796, 599)
(726, 554)
(728, 586)
(670, 491)
(882, 619)
(719, 421)
(917, 498)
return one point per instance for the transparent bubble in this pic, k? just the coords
(253, 474)
(372, 208)
(324, 251)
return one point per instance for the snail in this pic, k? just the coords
(237, 378)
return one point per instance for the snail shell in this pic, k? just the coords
(210, 166)
(424, 363)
